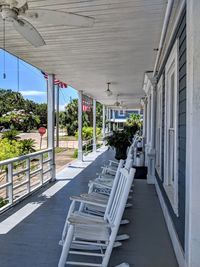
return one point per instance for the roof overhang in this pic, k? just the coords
(119, 48)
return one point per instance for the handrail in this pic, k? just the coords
(7, 161)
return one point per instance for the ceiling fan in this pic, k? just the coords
(18, 13)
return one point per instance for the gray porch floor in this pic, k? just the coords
(30, 232)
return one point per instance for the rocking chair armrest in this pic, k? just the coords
(100, 184)
(80, 220)
(88, 201)
(109, 169)
(114, 162)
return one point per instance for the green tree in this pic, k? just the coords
(69, 117)
(10, 100)
(20, 120)
(133, 124)
(15, 101)
(99, 114)
(41, 111)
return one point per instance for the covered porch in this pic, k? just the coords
(30, 232)
(148, 52)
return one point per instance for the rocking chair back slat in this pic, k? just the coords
(127, 179)
(114, 188)
(121, 187)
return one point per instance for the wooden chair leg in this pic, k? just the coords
(66, 246)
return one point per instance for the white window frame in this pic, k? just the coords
(159, 123)
(171, 166)
(149, 117)
(119, 113)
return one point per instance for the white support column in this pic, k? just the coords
(94, 126)
(148, 123)
(114, 125)
(109, 118)
(57, 115)
(144, 118)
(106, 119)
(153, 117)
(51, 120)
(80, 126)
(151, 152)
(192, 229)
(104, 123)
(111, 124)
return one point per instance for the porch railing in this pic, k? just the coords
(88, 144)
(20, 176)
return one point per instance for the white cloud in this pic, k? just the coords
(32, 93)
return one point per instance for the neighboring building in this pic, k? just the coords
(118, 117)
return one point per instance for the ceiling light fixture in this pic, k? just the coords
(117, 103)
(108, 92)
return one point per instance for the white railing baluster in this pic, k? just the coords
(41, 167)
(28, 178)
(51, 163)
(10, 181)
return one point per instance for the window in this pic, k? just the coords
(121, 113)
(159, 112)
(171, 131)
(121, 126)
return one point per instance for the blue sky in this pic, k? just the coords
(32, 84)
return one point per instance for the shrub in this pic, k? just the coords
(87, 133)
(10, 149)
(10, 135)
(14, 148)
(3, 202)
(75, 155)
(27, 146)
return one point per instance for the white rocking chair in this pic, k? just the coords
(98, 204)
(102, 234)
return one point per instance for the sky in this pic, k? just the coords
(29, 81)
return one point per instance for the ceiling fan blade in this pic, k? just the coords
(28, 32)
(59, 18)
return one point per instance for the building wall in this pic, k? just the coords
(178, 221)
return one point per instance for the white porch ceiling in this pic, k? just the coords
(117, 49)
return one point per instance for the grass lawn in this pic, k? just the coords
(67, 138)
(60, 149)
